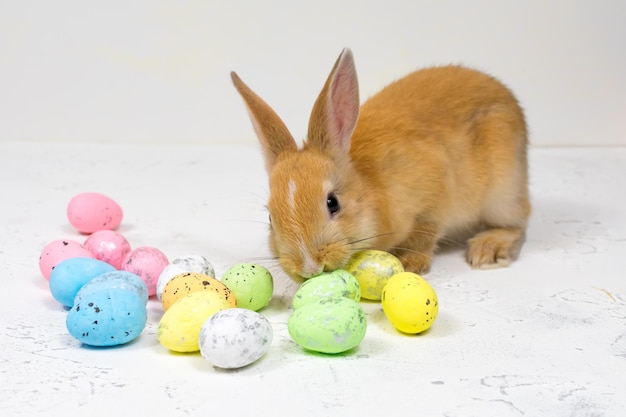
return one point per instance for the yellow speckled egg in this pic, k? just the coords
(410, 303)
(372, 269)
(190, 282)
(179, 328)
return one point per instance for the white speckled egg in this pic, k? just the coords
(195, 263)
(235, 338)
(190, 263)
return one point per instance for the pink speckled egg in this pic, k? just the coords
(108, 246)
(60, 250)
(146, 262)
(90, 212)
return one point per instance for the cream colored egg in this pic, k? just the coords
(179, 328)
(372, 269)
(190, 282)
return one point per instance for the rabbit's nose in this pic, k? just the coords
(311, 270)
(310, 267)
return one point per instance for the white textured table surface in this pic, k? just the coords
(545, 337)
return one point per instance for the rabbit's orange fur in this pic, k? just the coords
(434, 155)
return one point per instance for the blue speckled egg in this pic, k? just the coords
(107, 317)
(70, 275)
(115, 279)
(235, 337)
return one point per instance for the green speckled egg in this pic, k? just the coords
(252, 285)
(338, 283)
(372, 269)
(328, 325)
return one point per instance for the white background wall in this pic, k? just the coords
(158, 71)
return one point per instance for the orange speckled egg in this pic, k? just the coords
(190, 282)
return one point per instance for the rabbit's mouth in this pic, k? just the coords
(311, 263)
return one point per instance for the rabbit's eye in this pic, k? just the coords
(332, 203)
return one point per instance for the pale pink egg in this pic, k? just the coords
(90, 212)
(147, 262)
(108, 246)
(59, 250)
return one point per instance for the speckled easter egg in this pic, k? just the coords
(235, 338)
(328, 325)
(189, 282)
(195, 263)
(60, 250)
(372, 269)
(122, 280)
(90, 212)
(70, 275)
(109, 317)
(410, 303)
(108, 246)
(252, 284)
(338, 283)
(179, 328)
(146, 262)
(180, 265)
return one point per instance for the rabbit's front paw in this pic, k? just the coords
(417, 263)
(494, 248)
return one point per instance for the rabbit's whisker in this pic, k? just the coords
(411, 250)
(351, 242)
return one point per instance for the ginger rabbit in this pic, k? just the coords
(432, 157)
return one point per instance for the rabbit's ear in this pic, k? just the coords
(336, 109)
(270, 129)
